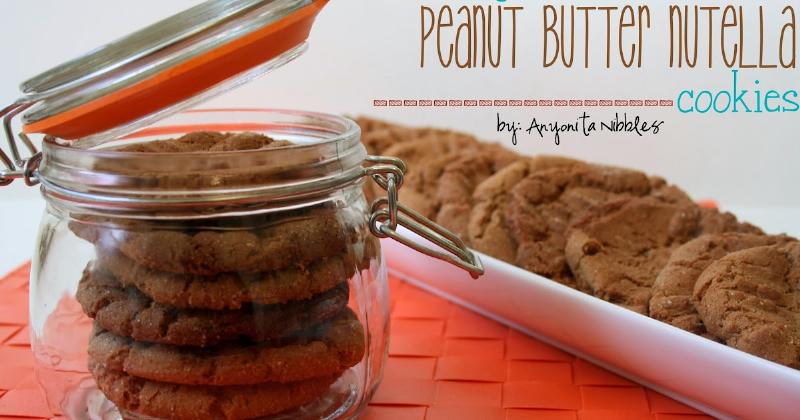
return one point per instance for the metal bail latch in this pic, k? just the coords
(387, 213)
(15, 166)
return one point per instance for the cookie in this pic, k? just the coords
(198, 402)
(229, 290)
(206, 141)
(715, 221)
(426, 152)
(323, 350)
(378, 136)
(455, 177)
(750, 299)
(223, 165)
(487, 230)
(671, 299)
(423, 159)
(619, 248)
(376, 140)
(128, 312)
(524, 217)
(299, 238)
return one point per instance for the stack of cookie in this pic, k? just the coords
(228, 318)
(616, 233)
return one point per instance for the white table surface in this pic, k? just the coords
(19, 223)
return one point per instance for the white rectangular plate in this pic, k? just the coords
(719, 380)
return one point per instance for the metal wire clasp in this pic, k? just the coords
(16, 166)
(387, 213)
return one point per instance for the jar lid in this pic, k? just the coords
(170, 65)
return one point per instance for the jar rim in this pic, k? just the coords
(327, 156)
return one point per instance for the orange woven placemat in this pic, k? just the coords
(445, 362)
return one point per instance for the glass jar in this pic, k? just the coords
(233, 284)
(234, 275)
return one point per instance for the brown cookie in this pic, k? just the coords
(323, 350)
(198, 402)
(456, 177)
(433, 134)
(751, 300)
(229, 290)
(378, 139)
(206, 141)
(671, 299)
(378, 136)
(619, 249)
(223, 164)
(426, 152)
(526, 225)
(423, 159)
(128, 312)
(487, 229)
(299, 238)
(715, 221)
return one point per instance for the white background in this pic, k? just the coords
(362, 50)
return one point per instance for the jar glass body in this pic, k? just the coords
(210, 285)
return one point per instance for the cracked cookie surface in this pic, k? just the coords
(457, 179)
(198, 402)
(298, 239)
(127, 312)
(206, 141)
(522, 213)
(487, 228)
(671, 299)
(751, 300)
(423, 159)
(326, 349)
(619, 248)
(229, 290)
